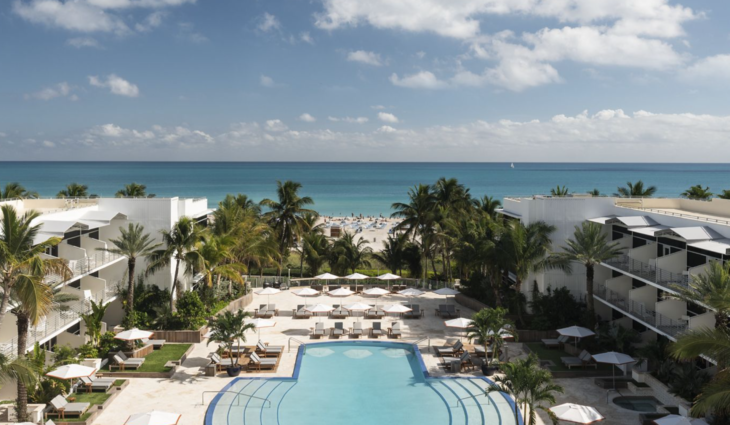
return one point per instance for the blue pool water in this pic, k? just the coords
(359, 383)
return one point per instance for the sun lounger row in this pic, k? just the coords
(555, 343)
(339, 312)
(447, 310)
(92, 383)
(464, 359)
(356, 331)
(60, 407)
(583, 360)
(266, 311)
(122, 362)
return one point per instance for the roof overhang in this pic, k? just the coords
(650, 231)
(628, 221)
(202, 213)
(509, 214)
(720, 246)
(602, 220)
(691, 234)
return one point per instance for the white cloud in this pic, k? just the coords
(713, 69)
(187, 31)
(268, 22)
(80, 42)
(62, 89)
(306, 37)
(387, 117)
(266, 81)
(113, 136)
(116, 85)
(351, 120)
(48, 144)
(276, 125)
(377, 107)
(386, 129)
(152, 21)
(420, 80)
(307, 118)
(369, 58)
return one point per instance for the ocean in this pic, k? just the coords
(360, 188)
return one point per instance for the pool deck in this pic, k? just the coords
(183, 392)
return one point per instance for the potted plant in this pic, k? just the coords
(226, 329)
(489, 325)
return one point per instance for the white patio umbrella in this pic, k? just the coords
(613, 358)
(388, 277)
(576, 413)
(72, 371)
(268, 292)
(305, 292)
(262, 323)
(396, 308)
(460, 323)
(411, 292)
(133, 335)
(326, 276)
(340, 292)
(319, 308)
(376, 292)
(576, 332)
(358, 307)
(673, 420)
(446, 292)
(155, 417)
(356, 277)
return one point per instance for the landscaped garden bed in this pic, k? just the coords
(157, 363)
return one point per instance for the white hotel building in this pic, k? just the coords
(665, 241)
(85, 225)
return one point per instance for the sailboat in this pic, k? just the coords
(512, 165)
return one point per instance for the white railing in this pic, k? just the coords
(85, 265)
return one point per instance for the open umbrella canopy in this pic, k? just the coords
(155, 417)
(673, 420)
(576, 332)
(613, 358)
(375, 291)
(268, 291)
(460, 323)
(576, 413)
(411, 292)
(305, 292)
(319, 308)
(356, 276)
(388, 276)
(71, 371)
(340, 292)
(446, 291)
(396, 308)
(133, 335)
(358, 307)
(326, 276)
(263, 323)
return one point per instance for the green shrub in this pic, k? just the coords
(88, 351)
(107, 343)
(191, 312)
(555, 309)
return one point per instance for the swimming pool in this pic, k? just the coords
(358, 383)
(643, 404)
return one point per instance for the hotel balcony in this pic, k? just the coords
(81, 261)
(646, 272)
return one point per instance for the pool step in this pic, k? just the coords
(262, 407)
(504, 410)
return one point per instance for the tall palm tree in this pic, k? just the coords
(710, 289)
(589, 247)
(724, 195)
(309, 221)
(16, 190)
(134, 190)
(219, 261)
(181, 247)
(347, 254)
(559, 191)
(635, 190)
(488, 205)
(417, 217)
(247, 204)
(133, 243)
(595, 193)
(74, 190)
(315, 251)
(391, 256)
(20, 260)
(697, 192)
(286, 215)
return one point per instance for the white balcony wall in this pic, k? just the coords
(643, 253)
(696, 271)
(93, 284)
(70, 252)
(620, 285)
(66, 338)
(647, 337)
(601, 274)
(705, 320)
(672, 309)
(624, 243)
(675, 263)
(645, 295)
(91, 245)
(602, 309)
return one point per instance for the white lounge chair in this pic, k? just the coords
(61, 407)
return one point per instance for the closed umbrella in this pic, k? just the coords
(268, 292)
(356, 277)
(388, 277)
(576, 332)
(673, 420)
(576, 413)
(460, 323)
(155, 417)
(319, 308)
(613, 358)
(305, 292)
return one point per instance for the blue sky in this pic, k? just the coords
(391, 80)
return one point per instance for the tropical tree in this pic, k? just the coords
(595, 193)
(93, 321)
(392, 254)
(219, 262)
(21, 261)
(589, 247)
(697, 192)
(135, 244)
(315, 251)
(710, 289)
(74, 190)
(417, 218)
(181, 247)
(559, 191)
(724, 195)
(18, 369)
(312, 228)
(134, 190)
(490, 325)
(488, 205)
(229, 327)
(16, 190)
(348, 254)
(635, 190)
(286, 215)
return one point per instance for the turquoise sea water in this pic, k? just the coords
(362, 188)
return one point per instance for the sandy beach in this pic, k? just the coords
(373, 229)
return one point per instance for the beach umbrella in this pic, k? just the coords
(133, 335)
(72, 371)
(673, 420)
(268, 292)
(326, 276)
(396, 308)
(356, 277)
(340, 292)
(388, 277)
(262, 323)
(460, 323)
(305, 292)
(358, 307)
(319, 308)
(155, 417)
(446, 292)
(613, 358)
(576, 413)
(376, 292)
(411, 292)
(576, 332)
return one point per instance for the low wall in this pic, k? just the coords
(470, 303)
(526, 335)
(239, 303)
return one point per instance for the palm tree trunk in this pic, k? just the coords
(4, 303)
(589, 296)
(131, 263)
(175, 288)
(301, 263)
(495, 280)
(518, 301)
(22, 401)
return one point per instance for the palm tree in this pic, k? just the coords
(133, 243)
(391, 256)
(247, 204)
(594, 193)
(490, 324)
(347, 254)
(181, 247)
(635, 190)
(724, 195)
(74, 190)
(21, 261)
(315, 251)
(93, 321)
(229, 327)
(219, 261)
(559, 191)
(286, 216)
(309, 221)
(697, 192)
(589, 247)
(710, 289)
(488, 205)
(16, 190)
(417, 217)
(134, 190)
(18, 369)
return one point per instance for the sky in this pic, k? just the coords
(375, 80)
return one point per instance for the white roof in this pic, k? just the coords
(635, 221)
(650, 231)
(102, 215)
(60, 227)
(602, 220)
(511, 214)
(41, 237)
(720, 246)
(698, 233)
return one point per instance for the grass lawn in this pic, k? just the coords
(555, 355)
(155, 361)
(91, 398)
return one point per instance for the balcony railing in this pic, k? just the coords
(648, 317)
(58, 320)
(648, 272)
(85, 265)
